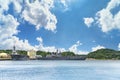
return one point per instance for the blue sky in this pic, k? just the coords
(75, 25)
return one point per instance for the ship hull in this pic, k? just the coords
(19, 57)
(63, 58)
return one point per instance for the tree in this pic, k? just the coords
(22, 52)
(67, 54)
(6, 51)
(104, 54)
(43, 53)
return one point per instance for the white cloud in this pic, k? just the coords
(65, 4)
(119, 46)
(97, 48)
(20, 44)
(112, 4)
(41, 46)
(36, 12)
(74, 48)
(88, 21)
(8, 29)
(17, 5)
(39, 14)
(106, 20)
(8, 26)
(4, 5)
(39, 39)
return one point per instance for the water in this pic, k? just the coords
(59, 70)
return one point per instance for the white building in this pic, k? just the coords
(5, 56)
(31, 54)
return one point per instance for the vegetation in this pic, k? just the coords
(99, 54)
(104, 54)
(10, 51)
(6, 51)
(22, 52)
(43, 53)
(67, 54)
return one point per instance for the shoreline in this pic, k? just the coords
(62, 60)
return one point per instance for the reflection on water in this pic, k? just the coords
(59, 70)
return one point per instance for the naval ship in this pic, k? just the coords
(17, 56)
(57, 56)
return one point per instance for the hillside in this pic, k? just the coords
(104, 54)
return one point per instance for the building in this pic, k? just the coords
(31, 54)
(5, 56)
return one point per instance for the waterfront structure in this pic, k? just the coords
(38, 56)
(31, 54)
(4, 56)
(54, 54)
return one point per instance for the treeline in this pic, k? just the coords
(6, 51)
(99, 54)
(23, 52)
(42, 53)
(104, 54)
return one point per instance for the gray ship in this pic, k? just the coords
(57, 56)
(63, 58)
(16, 56)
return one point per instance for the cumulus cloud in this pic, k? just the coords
(106, 20)
(17, 5)
(41, 46)
(119, 46)
(38, 13)
(39, 39)
(8, 30)
(88, 21)
(65, 4)
(20, 44)
(74, 48)
(8, 26)
(97, 48)
(4, 5)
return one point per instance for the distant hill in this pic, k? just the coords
(104, 54)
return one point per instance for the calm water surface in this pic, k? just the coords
(59, 70)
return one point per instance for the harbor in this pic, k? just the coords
(34, 55)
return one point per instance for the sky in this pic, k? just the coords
(80, 26)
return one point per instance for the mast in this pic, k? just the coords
(14, 50)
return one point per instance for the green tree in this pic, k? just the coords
(6, 51)
(22, 52)
(67, 54)
(43, 53)
(104, 54)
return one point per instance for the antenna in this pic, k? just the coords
(14, 48)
